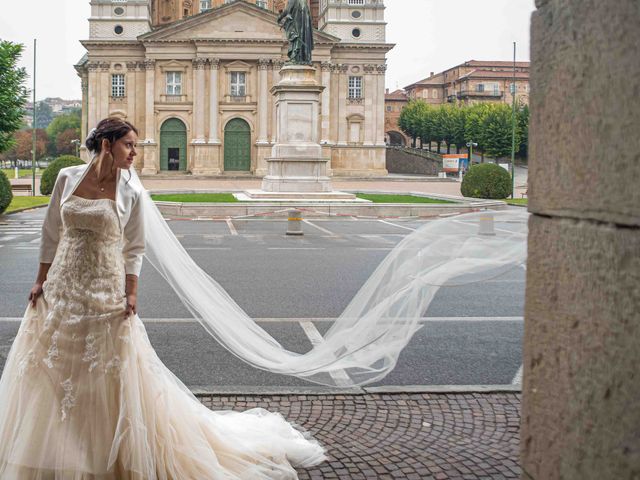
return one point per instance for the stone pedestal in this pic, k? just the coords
(297, 163)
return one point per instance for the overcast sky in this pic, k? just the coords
(430, 35)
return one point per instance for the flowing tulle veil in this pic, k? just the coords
(364, 343)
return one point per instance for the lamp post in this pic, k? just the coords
(513, 125)
(470, 145)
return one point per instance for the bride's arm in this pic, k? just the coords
(133, 251)
(36, 290)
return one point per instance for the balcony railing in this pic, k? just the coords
(475, 93)
(173, 98)
(355, 100)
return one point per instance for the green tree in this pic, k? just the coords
(410, 119)
(63, 123)
(13, 93)
(458, 124)
(522, 119)
(44, 115)
(474, 125)
(497, 131)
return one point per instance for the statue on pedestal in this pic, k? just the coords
(296, 21)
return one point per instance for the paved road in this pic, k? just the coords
(471, 336)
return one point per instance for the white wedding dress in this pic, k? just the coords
(83, 395)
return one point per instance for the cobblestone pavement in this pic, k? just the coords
(408, 436)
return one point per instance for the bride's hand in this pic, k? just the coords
(35, 292)
(132, 305)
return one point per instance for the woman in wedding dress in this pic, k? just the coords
(83, 395)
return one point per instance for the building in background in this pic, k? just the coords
(195, 77)
(474, 82)
(394, 102)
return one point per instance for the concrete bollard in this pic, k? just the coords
(486, 225)
(294, 222)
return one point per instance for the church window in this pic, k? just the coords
(118, 11)
(174, 83)
(118, 29)
(238, 84)
(205, 5)
(355, 87)
(356, 2)
(261, 3)
(117, 85)
(356, 14)
(356, 32)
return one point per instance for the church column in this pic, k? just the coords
(92, 113)
(263, 97)
(379, 138)
(149, 98)
(150, 146)
(326, 104)
(276, 64)
(105, 90)
(198, 97)
(342, 104)
(370, 106)
(214, 68)
(131, 91)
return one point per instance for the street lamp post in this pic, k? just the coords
(76, 142)
(513, 125)
(470, 145)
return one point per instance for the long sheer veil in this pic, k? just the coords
(364, 343)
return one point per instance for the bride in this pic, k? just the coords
(83, 395)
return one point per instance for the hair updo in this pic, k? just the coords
(111, 129)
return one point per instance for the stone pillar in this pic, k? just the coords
(342, 104)
(130, 86)
(276, 64)
(150, 146)
(580, 415)
(92, 102)
(214, 68)
(370, 112)
(263, 98)
(84, 79)
(379, 105)
(105, 90)
(198, 99)
(325, 125)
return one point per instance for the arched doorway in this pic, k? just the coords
(395, 138)
(173, 145)
(237, 146)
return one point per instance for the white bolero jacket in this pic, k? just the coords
(129, 209)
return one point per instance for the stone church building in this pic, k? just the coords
(195, 77)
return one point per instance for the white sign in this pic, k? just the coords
(450, 164)
(506, 166)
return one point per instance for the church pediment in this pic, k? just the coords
(240, 21)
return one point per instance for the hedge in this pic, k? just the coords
(5, 192)
(50, 174)
(487, 180)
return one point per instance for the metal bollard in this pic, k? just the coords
(486, 224)
(294, 222)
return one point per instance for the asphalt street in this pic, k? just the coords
(294, 287)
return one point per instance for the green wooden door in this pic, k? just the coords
(173, 145)
(237, 146)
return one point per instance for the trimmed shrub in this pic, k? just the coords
(5, 192)
(50, 173)
(487, 180)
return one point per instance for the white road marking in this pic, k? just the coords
(378, 238)
(340, 376)
(232, 229)
(517, 379)
(36, 240)
(207, 248)
(328, 232)
(386, 249)
(295, 248)
(396, 225)
(6, 239)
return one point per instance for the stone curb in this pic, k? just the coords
(23, 209)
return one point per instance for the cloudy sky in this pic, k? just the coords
(430, 35)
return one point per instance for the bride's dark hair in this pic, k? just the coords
(111, 129)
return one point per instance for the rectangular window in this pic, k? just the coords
(261, 3)
(389, 108)
(496, 89)
(480, 87)
(434, 93)
(205, 5)
(117, 85)
(238, 84)
(355, 87)
(174, 83)
(356, 2)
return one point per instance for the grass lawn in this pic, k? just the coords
(24, 202)
(196, 197)
(386, 198)
(517, 201)
(22, 172)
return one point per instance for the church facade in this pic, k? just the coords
(196, 76)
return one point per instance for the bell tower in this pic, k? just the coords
(119, 19)
(353, 21)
